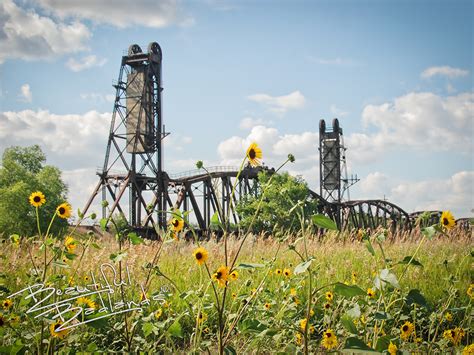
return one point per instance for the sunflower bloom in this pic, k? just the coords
(268, 306)
(55, 333)
(84, 301)
(370, 293)
(70, 244)
(406, 329)
(470, 291)
(454, 335)
(177, 224)
(329, 296)
(200, 255)
(201, 317)
(234, 275)
(278, 272)
(392, 349)
(64, 210)
(329, 339)
(158, 313)
(327, 306)
(293, 292)
(37, 199)
(449, 317)
(468, 350)
(299, 339)
(447, 220)
(6, 304)
(254, 154)
(221, 276)
(287, 272)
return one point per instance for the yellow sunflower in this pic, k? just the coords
(293, 291)
(234, 275)
(370, 293)
(254, 154)
(64, 210)
(221, 276)
(200, 255)
(70, 244)
(158, 313)
(470, 291)
(6, 304)
(392, 349)
(468, 350)
(201, 317)
(268, 306)
(299, 339)
(177, 224)
(329, 296)
(454, 335)
(287, 272)
(327, 306)
(406, 329)
(84, 301)
(278, 272)
(55, 333)
(234, 295)
(37, 199)
(447, 220)
(449, 317)
(329, 339)
(354, 277)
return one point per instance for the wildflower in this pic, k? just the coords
(70, 244)
(206, 330)
(287, 272)
(370, 293)
(177, 224)
(329, 296)
(296, 300)
(354, 277)
(406, 330)
(84, 301)
(14, 319)
(86, 278)
(293, 292)
(299, 339)
(468, 350)
(201, 317)
(65, 260)
(254, 154)
(37, 199)
(158, 313)
(470, 291)
(267, 306)
(234, 295)
(454, 335)
(221, 276)
(329, 339)
(392, 349)
(327, 306)
(55, 333)
(311, 312)
(278, 272)
(447, 220)
(6, 304)
(64, 210)
(449, 317)
(234, 275)
(70, 281)
(200, 254)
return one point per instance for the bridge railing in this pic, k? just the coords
(211, 169)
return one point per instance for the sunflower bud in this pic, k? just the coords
(291, 158)
(199, 164)
(105, 203)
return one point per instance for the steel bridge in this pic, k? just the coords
(134, 184)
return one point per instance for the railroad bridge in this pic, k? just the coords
(134, 184)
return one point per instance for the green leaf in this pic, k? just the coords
(414, 296)
(354, 343)
(386, 276)
(382, 343)
(429, 232)
(70, 256)
(354, 312)
(96, 246)
(176, 330)
(348, 323)
(116, 257)
(135, 239)
(348, 290)
(249, 266)
(215, 220)
(92, 347)
(229, 350)
(324, 222)
(252, 325)
(382, 315)
(103, 224)
(369, 246)
(301, 268)
(408, 260)
(147, 329)
(97, 323)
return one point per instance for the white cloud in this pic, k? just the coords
(421, 121)
(97, 97)
(338, 112)
(25, 94)
(85, 63)
(334, 61)
(121, 13)
(177, 141)
(446, 71)
(28, 35)
(248, 123)
(280, 104)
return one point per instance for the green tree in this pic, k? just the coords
(24, 171)
(277, 209)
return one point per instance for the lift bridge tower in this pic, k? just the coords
(133, 169)
(333, 181)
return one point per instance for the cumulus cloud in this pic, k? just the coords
(421, 121)
(280, 104)
(445, 70)
(248, 123)
(85, 63)
(25, 93)
(27, 35)
(121, 13)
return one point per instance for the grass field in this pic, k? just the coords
(412, 294)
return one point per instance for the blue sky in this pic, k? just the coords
(397, 74)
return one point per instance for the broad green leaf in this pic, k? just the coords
(348, 323)
(215, 219)
(414, 296)
(249, 266)
(97, 323)
(382, 315)
(103, 224)
(409, 260)
(147, 329)
(252, 325)
(135, 239)
(301, 268)
(369, 246)
(348, 290)
(92, 347)
(386, 276)
(324, 222)
(70, 256)
(354, 343)
(354, 312)
(176, 330)
(429, 232)
(383, 343)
